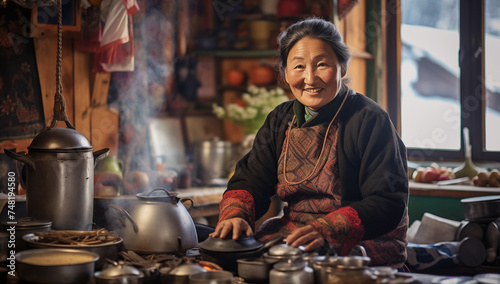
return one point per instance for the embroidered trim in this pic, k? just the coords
(237, 203)
(342, 228)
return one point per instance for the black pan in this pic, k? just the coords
(228, 259)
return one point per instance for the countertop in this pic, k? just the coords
(418, 278)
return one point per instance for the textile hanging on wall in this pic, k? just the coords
(21, 106)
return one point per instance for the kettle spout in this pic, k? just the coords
(22, 157)
(99, 155)
(119, 210)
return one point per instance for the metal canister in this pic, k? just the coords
(351, 269)
(212, 160)
(292, 272)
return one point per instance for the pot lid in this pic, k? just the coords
(290, 266)
(119, 269)
(28, 222)
(353, 261)
(284, 250)
(157, 194)
(230, 245)
(57, 138)
(186, 269)
(486, 198)
(325, 260)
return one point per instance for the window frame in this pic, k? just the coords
(471, 58)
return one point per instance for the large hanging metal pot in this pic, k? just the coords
(59, 166)
(157, 222)
(59, 178)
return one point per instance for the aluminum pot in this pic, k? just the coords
(292, 272)
(211, 277)
(50, 267)
(254, 269)
(212, 160)
(105, 251)
(58, 176)
(322, 265)
(482, 208)
(158, 222)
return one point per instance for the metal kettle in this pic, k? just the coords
(158, 222)
(58, 175)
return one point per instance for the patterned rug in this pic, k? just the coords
(21, 106)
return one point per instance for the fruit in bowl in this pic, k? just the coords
(432, 173)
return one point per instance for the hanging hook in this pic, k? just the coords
(59, 101)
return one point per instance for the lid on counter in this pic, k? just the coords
(59, 139)
(28, 223)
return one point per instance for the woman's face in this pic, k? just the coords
(313, 72)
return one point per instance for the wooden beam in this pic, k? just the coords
(82, 71)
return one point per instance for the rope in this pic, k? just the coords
(59, 101)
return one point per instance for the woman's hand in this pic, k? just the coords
(306, 236)
(237, 225)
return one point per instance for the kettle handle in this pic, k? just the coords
(124, 212)
(360, 249)
(187, 199)
(172, 194)
(22, 157)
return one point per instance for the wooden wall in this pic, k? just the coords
(85, 93)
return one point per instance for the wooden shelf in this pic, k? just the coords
(458, 191)
(263, 53)
(237, 53)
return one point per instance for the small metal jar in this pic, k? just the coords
(351, 269)
(283, 252)
(292, 272)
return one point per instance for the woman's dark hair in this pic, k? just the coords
(315, 28)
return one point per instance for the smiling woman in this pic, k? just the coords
(313, 73)
(332, 155)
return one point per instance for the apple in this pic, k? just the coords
(430, 174)
(443, 176)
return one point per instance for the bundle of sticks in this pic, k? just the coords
(78, 238)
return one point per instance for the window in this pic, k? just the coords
(449, 77)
